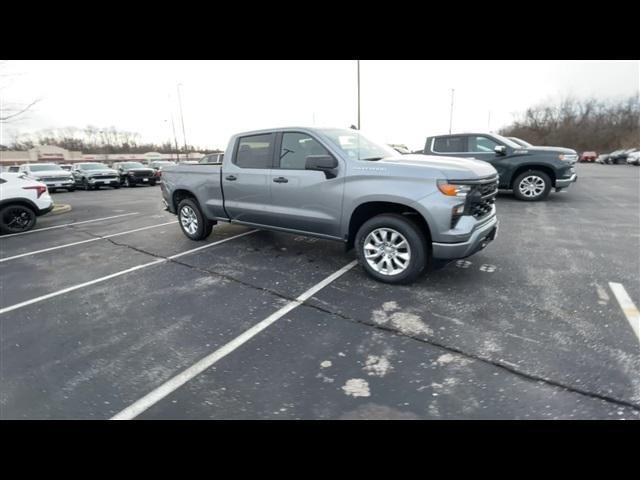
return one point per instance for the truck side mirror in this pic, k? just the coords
(500, 149)
(322, 163)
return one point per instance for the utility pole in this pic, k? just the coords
(489, 122)
(358, 94)
(173, 128)
(451, 111)
(184, 135)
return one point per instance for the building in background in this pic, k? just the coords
(51, 154)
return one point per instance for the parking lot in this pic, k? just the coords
(130, 318)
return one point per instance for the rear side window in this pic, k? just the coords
(295, 149)
(450, 144)
(255, 151)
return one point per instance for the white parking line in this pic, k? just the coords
(116, 274)
(35, 252)
(176, 382)
(67, 224)
(628, 308)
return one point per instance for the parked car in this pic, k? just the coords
(135, 173)
(93, 175)
(215, 158)
(530, 172)
(621, 158)
(22, 200)
(603, 158)
(634, 158)
(588, 157)
(401, 213)
(51, 174)
(157, 166)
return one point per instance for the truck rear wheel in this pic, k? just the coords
(392, 249)
(192, 222)
(531, 186)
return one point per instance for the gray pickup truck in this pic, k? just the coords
(402, 213)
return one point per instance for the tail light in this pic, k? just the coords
(39, 188)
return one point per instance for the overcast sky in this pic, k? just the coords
(401, 101)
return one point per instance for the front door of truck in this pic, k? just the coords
(304, 200)
(245, 179)
(483, 147)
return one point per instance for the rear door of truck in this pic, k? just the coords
(245, 177)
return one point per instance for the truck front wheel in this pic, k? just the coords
(392, 248)
(192, 222)
(532, 186)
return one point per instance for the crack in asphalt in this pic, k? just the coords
(525, 375)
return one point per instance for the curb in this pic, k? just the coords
(60, 208)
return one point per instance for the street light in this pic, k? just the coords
(184, 135)
(358, 94)
(451, 111)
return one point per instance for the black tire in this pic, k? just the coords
(52, 190)
(153, 184)
(535, 175)
(116, 186)
(85, 184)
(128, 183)
(419, 251)
(204, 225)
(16, 219)
(71, 189)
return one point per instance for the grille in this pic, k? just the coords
(482, 198)
(55, 179)
(142, 174)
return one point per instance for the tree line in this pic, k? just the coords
(97, 140)
(584, 125)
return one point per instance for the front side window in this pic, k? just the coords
(254, 151)
(481, 144)
(450, 145)
(295, 149)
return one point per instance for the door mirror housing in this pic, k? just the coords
(500, 150)
(322, 163)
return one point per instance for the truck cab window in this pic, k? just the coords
(450, 144)
(295, 148)
(255, 151)
(481, 144)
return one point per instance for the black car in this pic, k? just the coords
(135, 173)
(620, 156)
(531, 172)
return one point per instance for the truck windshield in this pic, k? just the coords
(43, 167)
(132, 165)
(357, 146)
(92, 166)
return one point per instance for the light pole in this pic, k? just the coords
(451, 111)
(184, 135)
(358, 94)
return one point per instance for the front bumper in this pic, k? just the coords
(479, 239)
(565, 182)
(44, 211)
(60, 184)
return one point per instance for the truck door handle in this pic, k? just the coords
(231, 178)
(280, 180)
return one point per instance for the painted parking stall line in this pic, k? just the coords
(104, 237)
(69, 224)
(628, 307)
(176, 382)
(116, 274)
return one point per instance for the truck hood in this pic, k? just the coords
(102, 171)
(536, 149)
(451, 168)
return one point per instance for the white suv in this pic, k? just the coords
(51, 174)
(22, 199)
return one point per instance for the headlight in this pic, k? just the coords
(453, 190)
